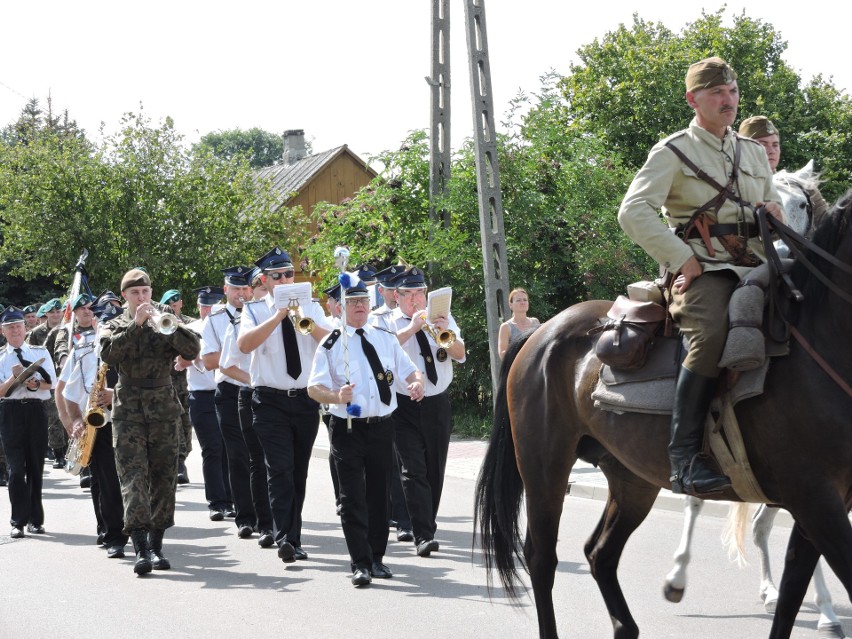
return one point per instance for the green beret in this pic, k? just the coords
(758, 126)
(172, 295)
(81, 300)
(135, 277)
(709, 72)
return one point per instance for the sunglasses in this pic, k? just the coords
(279, 274)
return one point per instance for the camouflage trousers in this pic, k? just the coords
(182, 390)
(56, 435)
(146, 458)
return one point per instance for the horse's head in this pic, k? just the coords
(796, 190)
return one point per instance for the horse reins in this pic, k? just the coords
(795, 242)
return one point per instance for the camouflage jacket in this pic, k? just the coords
(144, 358)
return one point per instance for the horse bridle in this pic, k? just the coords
(798, 244)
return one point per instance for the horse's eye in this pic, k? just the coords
(803, 205)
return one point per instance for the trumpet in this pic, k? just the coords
(163, 323)
(444, 337)
(305, 325)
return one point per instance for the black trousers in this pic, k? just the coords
(422, 439)
(287, 428)
(257, 464)
(228, 414)
(335, 482)
(106, 489)
(214, 460)
(23, 429)
(364, 463)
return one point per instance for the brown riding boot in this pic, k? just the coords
(690, 473)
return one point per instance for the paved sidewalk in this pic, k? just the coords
(586, 481)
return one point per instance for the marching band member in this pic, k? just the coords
(422, 429)
(146, 417)
(23, 422)
(363, 457)
(201, 383)
(73, 393)
(285, 419)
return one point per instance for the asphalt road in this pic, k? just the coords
(61, 585)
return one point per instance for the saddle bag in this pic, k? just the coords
(627, 336)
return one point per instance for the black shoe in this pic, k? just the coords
(35, 530)
(216, 514)
(426, 548)
(182, 476)
(299, 554)
(244, 532)
(380, 571)
(361, 577)
(49, 454)
(338, 509)
(286, 552)
(230, 512)
(142, 565)
(115, 552)
(266, 539)
(155, 542)
(85, 481)
(4, 478)
(100, 540)
(697, 479)
(59, 462)
(402, 534)
(17, 533)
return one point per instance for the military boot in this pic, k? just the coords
(143, 565)
(182, 476)
(4, 475)
(155, 539)
(59, 457)
(690, 473)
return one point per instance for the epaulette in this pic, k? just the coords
(37, 347)
(382, 328)
(331, 339)
(384, 312)
(252, 301)
(218, 311)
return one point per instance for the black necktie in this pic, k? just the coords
(376, 366)
(426, 352)
(291, 348)
(25, 363)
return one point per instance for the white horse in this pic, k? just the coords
(796, 190)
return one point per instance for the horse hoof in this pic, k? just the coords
(672, 594)
(831, 631)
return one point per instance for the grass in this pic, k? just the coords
(471, 422)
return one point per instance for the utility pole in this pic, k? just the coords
(439, 137)
(487, 179)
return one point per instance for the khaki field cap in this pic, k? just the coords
(758, 126)
(135, 277)
(709, 72)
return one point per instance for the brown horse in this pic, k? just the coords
(800, 450)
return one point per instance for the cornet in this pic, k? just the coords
(163, 323)
(305, 325)
(444, 338)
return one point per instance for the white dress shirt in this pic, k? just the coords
(213, 334)
(31, 353)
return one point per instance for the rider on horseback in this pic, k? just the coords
(707, 180)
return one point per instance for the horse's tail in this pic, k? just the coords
(499, 490)
(734, 534)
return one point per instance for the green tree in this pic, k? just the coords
(262, 148)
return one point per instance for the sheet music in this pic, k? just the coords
(438, 303)
(286, 295)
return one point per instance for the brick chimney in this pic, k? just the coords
(294, 146)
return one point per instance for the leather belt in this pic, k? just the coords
(717, 230)
(365, 420)
(290, 392)
(22, 401)
(139, 382)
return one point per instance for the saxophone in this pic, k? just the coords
(79, 454)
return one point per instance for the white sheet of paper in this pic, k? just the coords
(287, 295)
(438, 303)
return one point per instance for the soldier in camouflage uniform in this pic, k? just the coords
(45, 335)
(173, 300)
(146, 418)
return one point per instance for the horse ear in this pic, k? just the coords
(808, 169)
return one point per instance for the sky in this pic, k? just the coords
(345, 72)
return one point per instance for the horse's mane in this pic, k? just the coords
(827, 236)
(792, 180)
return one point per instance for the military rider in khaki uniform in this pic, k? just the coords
(715, 244)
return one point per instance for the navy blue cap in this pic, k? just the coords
(409, 279)
(333, 291)
(385, 276)
(81, 300)
(12, 315)
(237, 275)
(367, 273)
(354, 285)
(209, 295)
(32, 308)
(170, 296)
(276, 258)
(107, 296)
(106, 311)
(255, 273)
